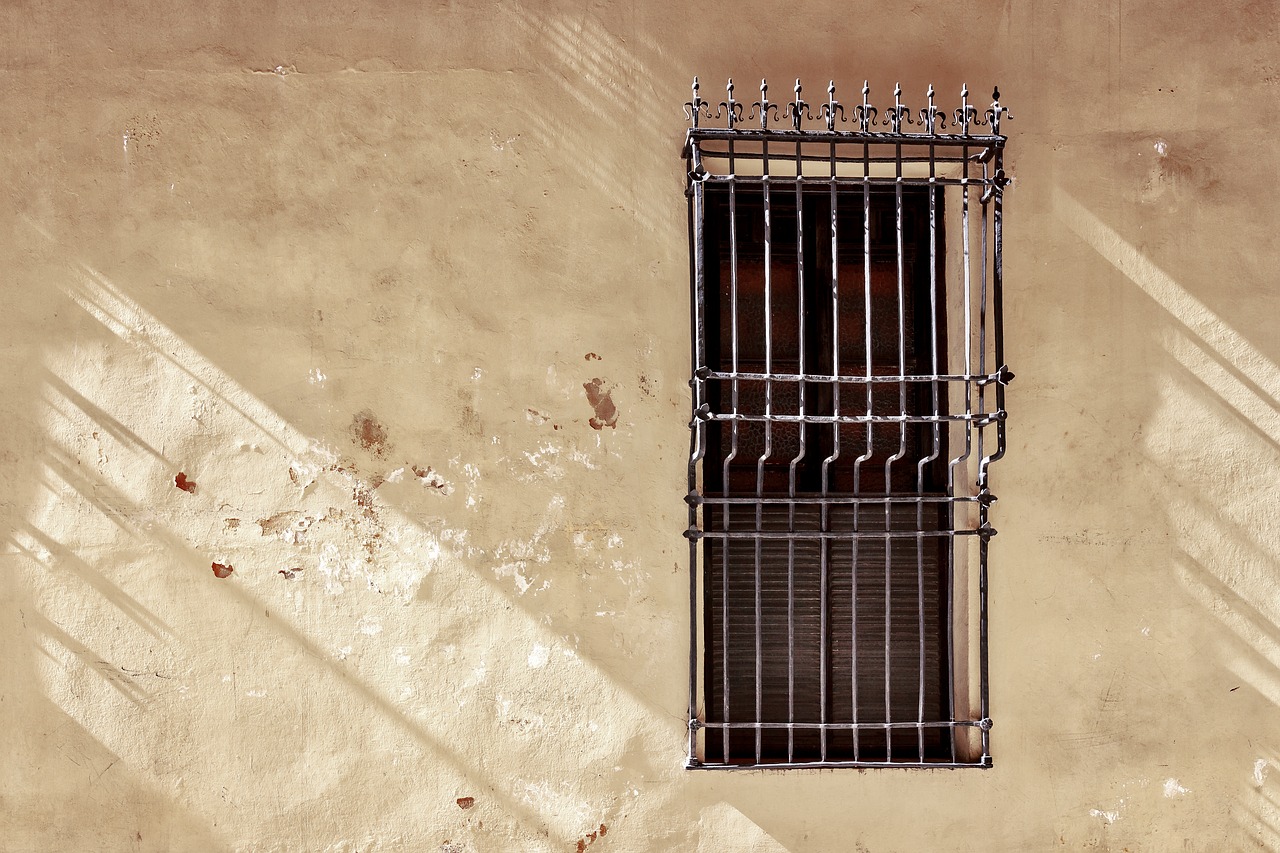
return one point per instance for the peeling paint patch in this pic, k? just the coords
(290, 574)
(432, 480)
(592, 357)
(303, 475)
(590, 838)
(1260, 771)
(599, 396)
(222, 570)
(277, 524)
(181, 481)
(465, 803)
(367, 432)
(230, 523)
(1173, 789)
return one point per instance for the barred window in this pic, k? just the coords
(848, 400)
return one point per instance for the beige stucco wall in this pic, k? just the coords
(348, 267)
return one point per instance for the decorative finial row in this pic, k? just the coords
(864, 117)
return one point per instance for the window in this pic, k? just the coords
(848, 400)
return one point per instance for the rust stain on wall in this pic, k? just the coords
(466, 802)
(590, 838)
(367, 432)
(600, 399)
(181, 481)
(222, 571)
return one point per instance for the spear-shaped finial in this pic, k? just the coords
(894, 119)
(695, 105)
(994, 113)
(866, 112)
(931, 113)
(731, 104)
(798, 107)
(764, 104)
(965, 114)
(832, 105)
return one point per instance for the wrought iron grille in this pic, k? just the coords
(848, 401)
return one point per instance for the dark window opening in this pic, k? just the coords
(818, 326)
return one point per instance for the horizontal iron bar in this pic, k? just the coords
(844, 535)
(855, 136)
(983, 763)
(754, 155)
(928, 724)
(845, 379)
(840, 500)
(826, 181)
(979, 418)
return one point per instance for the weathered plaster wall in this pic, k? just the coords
(363, 276)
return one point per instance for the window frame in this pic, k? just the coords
(969, 164)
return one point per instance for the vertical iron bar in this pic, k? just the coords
(798, 458)
(997, 310)
(967, 339)
(983, 697)
(937, 437)
(733, 446)
(902, 451)
(824, 646)
(697, 437)
(867, 452)
(768, 431)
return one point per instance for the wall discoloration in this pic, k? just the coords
(600, 398)
(369, 434)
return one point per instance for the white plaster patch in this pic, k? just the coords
(472, 474)
(256, 694)
(401, 656)
(476, 374)
(1260, 768)
(1146, 632)
(341, 653)
(1173, 789)
(558, 803)
(431, 479)
(369, 626)
(316, 377)
(539, 656)
(303, 474)
(1107, 817)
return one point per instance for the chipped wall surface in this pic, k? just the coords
(344, 428)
